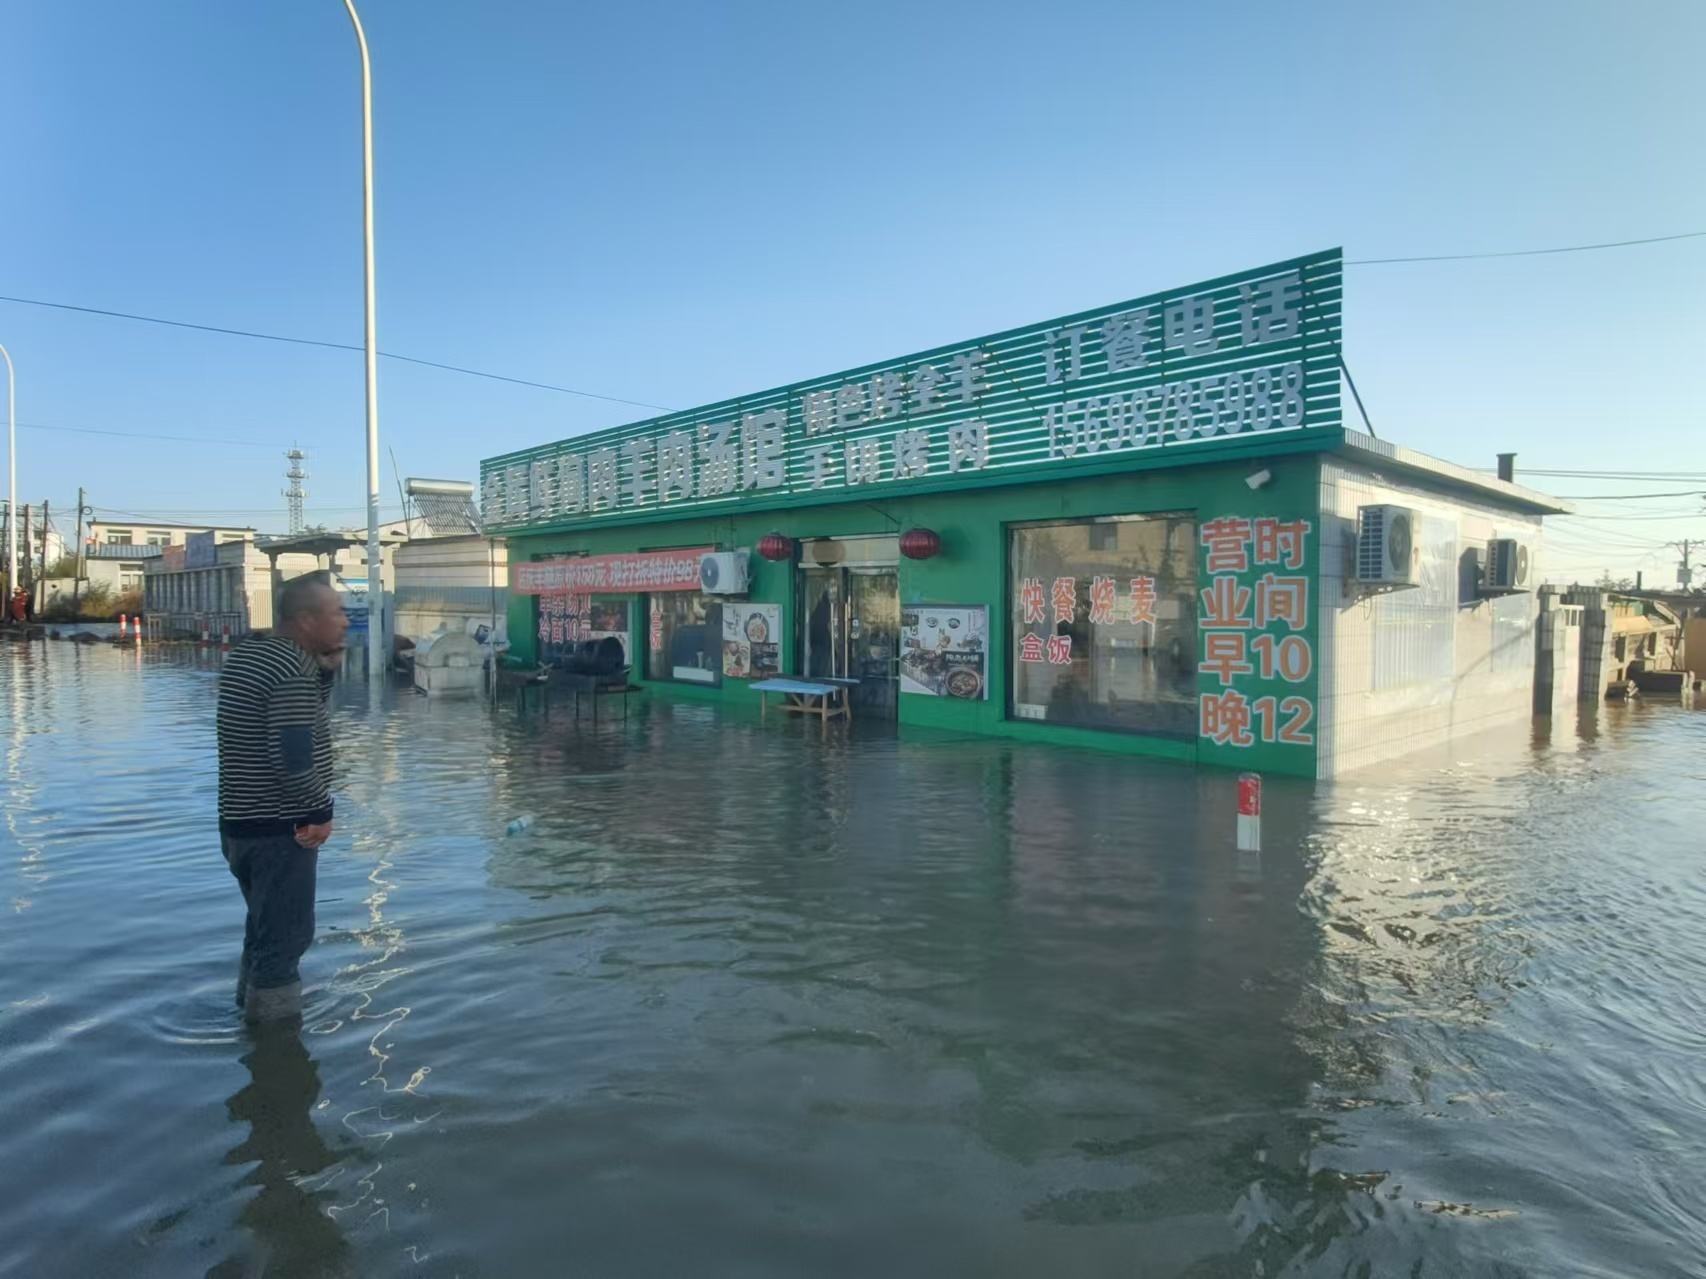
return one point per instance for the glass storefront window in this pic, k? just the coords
(685, 637)
(568, 622)
(609, 620)
(1105, 623)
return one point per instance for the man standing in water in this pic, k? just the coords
(275, 776)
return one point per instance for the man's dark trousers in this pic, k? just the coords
(277, 876)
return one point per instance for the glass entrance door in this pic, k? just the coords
(852, 631)
(824, 643)
(873, 638)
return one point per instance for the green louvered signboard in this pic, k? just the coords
(1248, 355)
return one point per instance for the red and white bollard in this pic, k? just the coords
(121, 630)
(206, 635)
(225, 638)
(1249, 813)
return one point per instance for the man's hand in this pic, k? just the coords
(313, 836)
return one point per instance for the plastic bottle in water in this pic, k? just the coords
(520, 824)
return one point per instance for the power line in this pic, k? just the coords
(168, 516)
(333, 346)
(1592, 538)
(143, 435)
(645, 404)
(1525, 253)
(1618, 475)
(1625, 497)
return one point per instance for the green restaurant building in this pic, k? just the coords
(1143, 528)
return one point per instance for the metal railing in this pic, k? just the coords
(210, 628)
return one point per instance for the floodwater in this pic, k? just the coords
(746, 1002)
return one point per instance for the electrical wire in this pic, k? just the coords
(614, 399)
(644, 404)
(1626, 519)
(168, 515)
(143, 435)
(1617, 475)
(1525, 253)
(333, 346)
(1625, 497)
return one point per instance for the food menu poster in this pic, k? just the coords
(944, 651)
(752, 644)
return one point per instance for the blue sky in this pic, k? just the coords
(678, 202)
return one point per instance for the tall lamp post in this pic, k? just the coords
(11, 476)
(376, 662)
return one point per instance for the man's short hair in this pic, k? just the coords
(300, 596)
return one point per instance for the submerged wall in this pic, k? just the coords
(1256, 722)
(1415, 668)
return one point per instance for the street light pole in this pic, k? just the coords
(376, 663)
(11, 475)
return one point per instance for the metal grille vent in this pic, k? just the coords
(1371, 544)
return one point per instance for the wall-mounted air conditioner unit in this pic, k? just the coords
(723, 573)
(1387, 554)
(1508, 567)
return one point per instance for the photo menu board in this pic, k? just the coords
(944, 651)
(752, 635)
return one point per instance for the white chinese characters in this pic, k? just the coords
(1244, 355)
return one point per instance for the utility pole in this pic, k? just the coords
(11, 472)
(24, 552)
(77, 579)
(1684, 573)
(44, 527)
(376, 658)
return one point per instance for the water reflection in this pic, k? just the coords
(794, 1004)
(870, 962)
(290, 1233)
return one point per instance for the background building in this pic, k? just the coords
(160, 533)
(212, 587)
(451, 585)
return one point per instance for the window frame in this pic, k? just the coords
(1010, 603)
(713, 625)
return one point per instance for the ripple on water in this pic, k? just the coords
(849, 1006)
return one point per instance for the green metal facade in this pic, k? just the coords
(972, 569)
(1251, 354)
(1070, 426)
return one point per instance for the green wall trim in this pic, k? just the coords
(972, 570)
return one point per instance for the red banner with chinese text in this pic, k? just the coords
(613, 574)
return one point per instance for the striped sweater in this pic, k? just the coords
(275, 741)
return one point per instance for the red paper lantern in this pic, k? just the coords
(920, 543)
(775, 547)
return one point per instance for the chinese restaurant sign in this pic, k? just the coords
(644, 571)
(1256, 677)
(1247, 355)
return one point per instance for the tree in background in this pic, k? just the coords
(95, 603)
